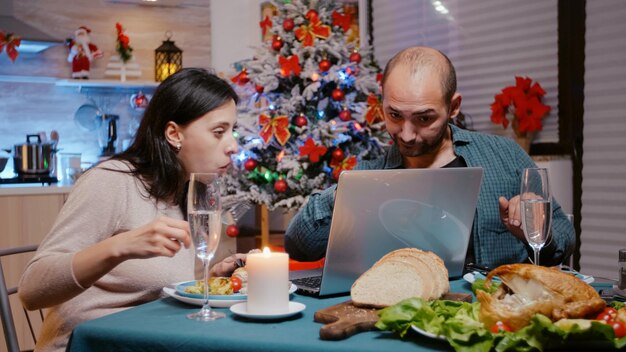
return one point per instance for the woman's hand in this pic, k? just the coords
(510, 214)
(163, 236)
(226, 267)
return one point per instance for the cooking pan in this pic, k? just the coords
(34, 157)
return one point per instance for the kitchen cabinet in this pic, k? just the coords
(26, 215)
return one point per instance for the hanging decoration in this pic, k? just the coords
(10, 42)
(276, 126)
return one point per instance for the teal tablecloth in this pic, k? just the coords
(162, 326)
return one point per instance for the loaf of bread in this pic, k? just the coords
(401, 274)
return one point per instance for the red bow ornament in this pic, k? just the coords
(342, 20)
(241, 78)
(306, 33)
(346, 164)
(277, 126)
(11, 42)
(289, 64)
(313, 150)
(374, 109)
(265, 24)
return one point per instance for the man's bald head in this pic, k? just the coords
(421, 59)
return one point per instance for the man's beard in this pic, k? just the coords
(421, 148)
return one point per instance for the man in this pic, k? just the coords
(419, 101)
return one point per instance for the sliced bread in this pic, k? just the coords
(421, 274)
(387, 284)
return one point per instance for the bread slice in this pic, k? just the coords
(420, 274)
(387, 284)
(432, 260)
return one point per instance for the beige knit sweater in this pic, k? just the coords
(102, 204)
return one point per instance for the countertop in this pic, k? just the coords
(23, 189)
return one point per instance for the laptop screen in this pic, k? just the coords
(378, 211)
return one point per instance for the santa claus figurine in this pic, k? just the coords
(82, 52)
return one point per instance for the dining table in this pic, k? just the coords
(162, 325)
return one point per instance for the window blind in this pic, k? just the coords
(603, 220)
(489, 42)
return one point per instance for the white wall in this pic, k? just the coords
(235, 32)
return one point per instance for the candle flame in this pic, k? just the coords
(266, 252)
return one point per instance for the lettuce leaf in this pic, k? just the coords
(479, 284)
(459, 322)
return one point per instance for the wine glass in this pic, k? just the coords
(204, 211)
(536, 206)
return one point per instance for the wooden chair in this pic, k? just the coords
(8, 324)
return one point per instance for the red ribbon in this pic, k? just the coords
(11, 42)
(313, 150)
(306, 33)
(289, 64)
(374, 109)
(346, 164)
(342, 20)
(277, 126)
(265, 24)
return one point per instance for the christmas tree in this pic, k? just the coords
(310, 106)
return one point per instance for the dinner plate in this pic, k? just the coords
(472, 276)
(428, 334)
(225, 302)
(241, 309)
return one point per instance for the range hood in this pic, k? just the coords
(33, 40)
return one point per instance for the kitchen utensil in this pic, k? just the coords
(88, 117)
(107, 137)
(34, 157)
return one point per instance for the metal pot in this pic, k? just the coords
(34, 158)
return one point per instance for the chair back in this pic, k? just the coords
(8, 323)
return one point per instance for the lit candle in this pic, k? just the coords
(268, 280)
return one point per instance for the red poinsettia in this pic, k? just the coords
(123, 44)
(521, 106)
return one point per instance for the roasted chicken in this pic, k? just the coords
(530, 289)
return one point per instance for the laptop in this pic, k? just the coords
(378, 211)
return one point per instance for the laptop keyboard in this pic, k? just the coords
(312, 281)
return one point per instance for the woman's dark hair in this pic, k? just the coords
(182, 98)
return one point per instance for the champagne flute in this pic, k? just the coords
(204, 211)
(536, 206)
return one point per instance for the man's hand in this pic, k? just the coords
(510, 214)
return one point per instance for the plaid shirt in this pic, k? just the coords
(502, 161)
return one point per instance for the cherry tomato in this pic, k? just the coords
(500, 326)
(235, 283)
(608, 315)
(619, 329)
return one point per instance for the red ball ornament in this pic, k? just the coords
(232, 231)
(311, 14)
(259, 89)
(280, 186)
(300, 121)
(355, 57)
(325, 65)
(345, 115)
(338, 94)
(277, 43)
(250, 164)
(288, 25)
(338, 154)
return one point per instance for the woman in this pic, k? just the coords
(121, 236)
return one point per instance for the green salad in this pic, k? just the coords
(459, 323)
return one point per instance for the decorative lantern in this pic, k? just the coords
(168, 59)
